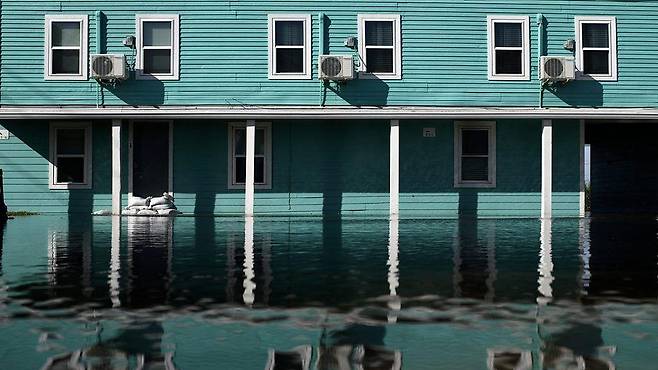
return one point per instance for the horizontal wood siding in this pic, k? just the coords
(223, 58)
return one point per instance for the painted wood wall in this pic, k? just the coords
(328, 168)
(224, 53)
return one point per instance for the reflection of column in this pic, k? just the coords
(52, 257)
(115, 261)
(393, 270)
(249, 284)
(585, 255)
(545, 263)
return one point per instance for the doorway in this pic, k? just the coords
(150, 158)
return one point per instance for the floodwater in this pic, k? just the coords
(216, 293)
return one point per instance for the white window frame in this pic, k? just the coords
(397, 45)
(175, 46)
(267, 126)
(524, 21)
(612, 49)
(271, 46)
(83, 19)
(490, 126)
(53, 156)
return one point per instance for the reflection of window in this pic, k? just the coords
(509, 47)
(289, 46)
(475, 154)
(379, 45)
(299, 358)
(238, 155)
(70, 156)
(596, 47)
(66, 47)
(157, 46)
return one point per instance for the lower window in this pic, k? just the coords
(238, 156)
(475, 154)
(70, 156)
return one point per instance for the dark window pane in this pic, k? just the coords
(379, 33)
(509, 62)
(157, 33)
(289, 61)
(508, 34)
(289, 33)
(240, 170)
(475, 169)
(70, 141)
(475, 142)
(259, 170)
(596, 62)
(379, 60)
(66, 62)
(66, 34)
(240, 145)
(595, 35)
(71, 170)
(260, 142)
(157, 61)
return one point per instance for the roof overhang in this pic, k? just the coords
(320, 113)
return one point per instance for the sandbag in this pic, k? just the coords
(158, 201)
(147, 212)
(138, 202)
(168, 212)
(164, 206)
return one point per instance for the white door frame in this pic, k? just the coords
(170, 184)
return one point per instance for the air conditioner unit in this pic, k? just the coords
(108, 66)
(557, 69)
(336, 67)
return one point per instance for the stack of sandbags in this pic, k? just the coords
(151, 206)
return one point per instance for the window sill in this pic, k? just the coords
(603, 78)
(477, 185)
(509, 78)
(151, 77)
(69, 186)
(379, 76)
(289, 77)
(65, 78)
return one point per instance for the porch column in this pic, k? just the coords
(249, 178)
(394, 153)
(116, 167)
(546, 168)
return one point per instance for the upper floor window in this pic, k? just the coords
(238, 156)
(66, 48)
(380, 45)
(509, 47)
(596, 47)
(475, 154)
(289, 46)
(70, 156)
(157, 46)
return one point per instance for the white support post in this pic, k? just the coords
(249, 178)
(582, 168)
(116, 167)
(546, 168)
(394, 191)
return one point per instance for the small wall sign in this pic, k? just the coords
(429, 132)
(4, 134)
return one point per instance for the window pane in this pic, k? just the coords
(240, 143)
(595, 35)
(289, 33)
(260, 141)
(157, 33)
(66, 34)
(71, 141)
(240, 170)
(259, 170)
(379, 33)
(475, 142)
(508, 34)
(66, 62)
(71, 170)
(475, 169)
(157, 61)
(379, 60)
(509, 62)
(289, 61)
(596, 62)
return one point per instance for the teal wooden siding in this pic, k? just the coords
(223, 55)
(327, 168)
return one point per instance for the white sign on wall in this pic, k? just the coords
(429, 132)
(4, 134)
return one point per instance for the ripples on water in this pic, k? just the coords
(197, 293)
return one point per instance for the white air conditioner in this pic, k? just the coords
(108, 66)
(336, 67)
(557, 69)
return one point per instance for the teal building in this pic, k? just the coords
(416, 109)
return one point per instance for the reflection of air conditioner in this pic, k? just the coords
(554, 69)
(108, 66)
(336, 67)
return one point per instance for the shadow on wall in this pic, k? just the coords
(135, 92)
(363, 91)
(584, 92)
